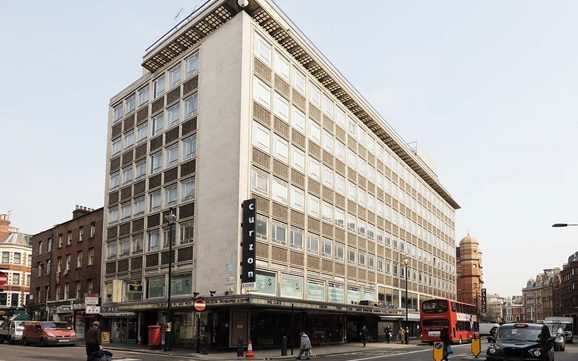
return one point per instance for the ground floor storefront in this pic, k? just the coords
(268, 322)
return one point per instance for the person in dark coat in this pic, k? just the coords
(387, 334)
(92, 340)
(445, 338)
(364, 335)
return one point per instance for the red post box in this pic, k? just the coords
(155, 337)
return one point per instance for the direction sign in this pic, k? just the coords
(199, 305)
(3, 278)
(438, 351)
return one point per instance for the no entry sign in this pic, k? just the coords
(3, 278)
(200, 305)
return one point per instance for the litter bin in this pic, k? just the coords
(155, 337)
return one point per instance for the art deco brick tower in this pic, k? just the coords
(469, 271)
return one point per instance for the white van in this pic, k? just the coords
(487, 328)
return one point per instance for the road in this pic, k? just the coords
(415, 353)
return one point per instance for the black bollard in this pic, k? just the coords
(240, 347)
(284, 346)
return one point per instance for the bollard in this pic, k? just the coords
(240, 347)
(284, 346)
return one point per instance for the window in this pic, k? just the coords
(339, 184)
(261, 227)
(143, 95)
(156, 162)
(69, 238)
(124, 246)
(125, 210)
(351, 159)
(278, 232)
(297, 198)
(137, 244)
(127, 174)
(327, 212)
(296, 238)
(155, 201)
(314, 95)
(186, 233)
(175, 76)
(139, 205)
(327, 106)
(192, 64)
(339, 251)
(114, 180)
(130, 104)
(340, 117)
(279, 191)
(262, 49)
(361, 259)
(66, 291)
(299, 81)
(118, 112)
(171, 195)
(60, 240)
(16, 279)
(172, 155)
(326, 247)
(351, 191)
(281, 66)
(188, 189)
(116, 146)
(370, 261)
(313, 206)
(327, 141)
(128, 139)
(340, 150)
(298, 120)
(17, 258)
(314, 168)
(111, 249)
(351, 127)
(313, 243)
(91, 256)
(159, 86)
(339, 217)
(314, 131)
(351, 223)
(141, 132)
(174, 114)
(280, 148)
(298, 159)
(281, 107)
(79, 259)
(191, 105)
(49, 245)
(140, 169)
(261, 92)
(351, 255)
(259, 181)
(48, 266)
(158, 123)
(190, 147)
(153, 240)
(328, 176)
(80, 236)
(261, 137)
(89, 285)
(379, 264)
(78, 290)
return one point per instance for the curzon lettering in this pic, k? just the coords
(251, 247)
(251, 232)
(252, 205)
(249, 260)
(248, 225)
(251, 220)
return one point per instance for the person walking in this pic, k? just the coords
(92, 340)
(401, 335)
(445, 339)
(387, 334)
(364, 335)
(304, 347)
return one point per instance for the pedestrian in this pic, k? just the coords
(406, 340)
(445, 338)
(304, 347)
(387, 334)
(92, 340)
(364, 335)
(401, 335)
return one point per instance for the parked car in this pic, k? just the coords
(47, 333)
(521, 341)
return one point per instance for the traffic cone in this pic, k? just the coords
(249, 353)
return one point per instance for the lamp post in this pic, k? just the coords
(170, 218)
(405, 262)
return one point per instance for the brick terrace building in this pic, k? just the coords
(237, 104)
(66, 260)
(539, 295)
(15, 258)
(566, 294)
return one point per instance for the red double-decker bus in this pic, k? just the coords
(459, 318)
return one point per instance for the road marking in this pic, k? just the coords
(127, 359)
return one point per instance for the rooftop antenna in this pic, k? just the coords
(179, 13)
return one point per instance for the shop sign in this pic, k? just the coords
(63, 309)
(92, 310)
(181, 285)
(291, 286)
(315, 290)
(91, 300)
(335, 293)
(265, 283)
(249, 244)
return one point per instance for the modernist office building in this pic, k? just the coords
(236, 104)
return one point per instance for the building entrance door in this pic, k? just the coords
(239, 327)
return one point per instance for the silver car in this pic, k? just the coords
(557, 332)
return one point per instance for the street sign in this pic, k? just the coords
(91, 300)
(3, 278)
(438, 351)
(92, 310)
(199, 305)
(476, 347)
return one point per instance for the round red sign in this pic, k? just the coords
(4, 279)
(200, 305)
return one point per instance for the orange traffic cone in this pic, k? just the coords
(249, 353)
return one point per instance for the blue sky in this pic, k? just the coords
(489, 88)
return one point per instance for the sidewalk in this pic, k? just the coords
(268, 354)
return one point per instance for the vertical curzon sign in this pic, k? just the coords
(248, 262)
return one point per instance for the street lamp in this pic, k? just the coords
(170, 218)
(405, 262)
(558, 225)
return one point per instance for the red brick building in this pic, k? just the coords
(66, 266)
(566, 293)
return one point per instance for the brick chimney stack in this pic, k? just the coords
(80, 211)
(4, 227)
